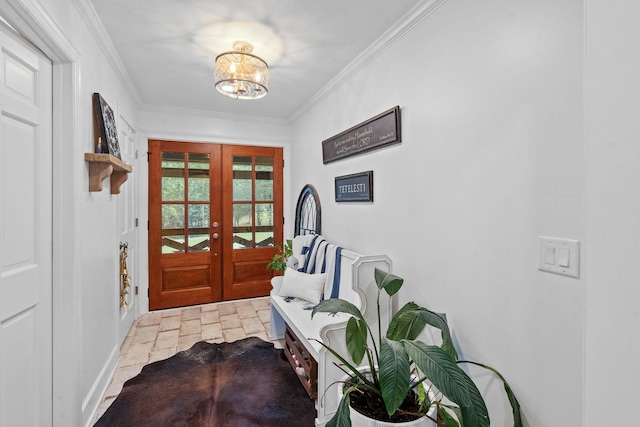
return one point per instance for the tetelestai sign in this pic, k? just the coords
(357, 187)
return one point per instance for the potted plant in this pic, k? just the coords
(282, 255)
(401, 368)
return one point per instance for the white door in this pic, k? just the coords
(127, 223)
(25, 234)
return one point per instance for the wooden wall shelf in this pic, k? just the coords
(104, 165)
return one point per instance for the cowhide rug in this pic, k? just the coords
(243, 383)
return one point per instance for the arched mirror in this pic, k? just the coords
(308, 213)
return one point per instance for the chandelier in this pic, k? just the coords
(240, 74)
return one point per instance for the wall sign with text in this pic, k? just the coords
(381, 130)
(357, 187)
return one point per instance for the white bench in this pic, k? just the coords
(357, 285)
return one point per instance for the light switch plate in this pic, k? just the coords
(566, 256)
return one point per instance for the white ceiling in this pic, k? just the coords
(158, 43)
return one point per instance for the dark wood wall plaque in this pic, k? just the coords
(384, 129)
(357, 187)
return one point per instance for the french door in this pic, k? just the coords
(252, 209)
(215, 213)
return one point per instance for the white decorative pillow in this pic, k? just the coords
(292, 262)
(302, 285)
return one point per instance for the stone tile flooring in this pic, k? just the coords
(161, 334)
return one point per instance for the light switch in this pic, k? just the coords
(560, 256)
(550, 255)
(563, 257)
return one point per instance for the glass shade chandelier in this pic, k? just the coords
(240, 74)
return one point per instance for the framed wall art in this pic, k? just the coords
(379, 131)
(106, 122)
(357, 187)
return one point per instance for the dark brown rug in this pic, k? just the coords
(243, 383)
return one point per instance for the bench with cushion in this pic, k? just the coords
(313, 274)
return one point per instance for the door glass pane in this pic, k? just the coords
(264, 214)
(242, 183)
(172, 176)
(172, 228)
(264, 224)
(264, 178)
(198, 228)
(242, 226)
(198, 177)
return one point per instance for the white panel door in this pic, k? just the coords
(127, 216)
(25, 234)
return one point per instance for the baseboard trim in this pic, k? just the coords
(93, 399)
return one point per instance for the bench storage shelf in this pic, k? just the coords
(291, 322)
(305, 366)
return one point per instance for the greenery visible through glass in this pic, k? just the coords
(198, 228)
(264, 224)
(172, 228)
(242, 182)
(172, 176)
(252, 222)
(174, 170)
(264, 214)
(264, 178)
(198, 177)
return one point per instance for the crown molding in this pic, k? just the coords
(96, 28)
(214, 138)
(412, 18)
(152, 108)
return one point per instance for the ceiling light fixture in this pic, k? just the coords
(240, 74)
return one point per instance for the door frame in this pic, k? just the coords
(129, 314)
(228, 288)
(36, 25)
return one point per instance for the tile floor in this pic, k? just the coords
(160, 334)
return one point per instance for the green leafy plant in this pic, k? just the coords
(399, 365)
(282, 255)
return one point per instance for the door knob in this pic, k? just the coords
(215, 236)
(215, 224)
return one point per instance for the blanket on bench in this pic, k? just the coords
(319, 256)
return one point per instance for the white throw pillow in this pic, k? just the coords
(302, 285)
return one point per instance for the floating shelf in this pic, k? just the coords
(104, 165)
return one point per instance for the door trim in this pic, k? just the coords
(231, 261)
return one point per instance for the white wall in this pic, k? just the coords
(492, 156)
(99, 253)
(613, 212)
(199, 126)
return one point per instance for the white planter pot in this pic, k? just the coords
(359, 420)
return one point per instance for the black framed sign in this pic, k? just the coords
(357, 187)
(106, 125)
(381, 130)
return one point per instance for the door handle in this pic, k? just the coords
(215, 224)
(215, 236)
